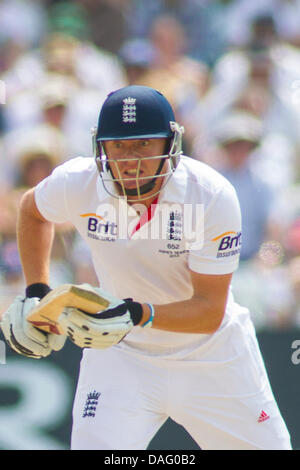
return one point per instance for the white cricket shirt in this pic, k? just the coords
(196, 226)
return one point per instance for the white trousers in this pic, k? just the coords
(220, 394)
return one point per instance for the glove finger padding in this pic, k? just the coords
(102, 329)
(56, 342)
(94, 323)
(97, 331)
(23, 337)
(85, 337)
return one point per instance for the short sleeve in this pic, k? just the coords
(218, 248)
(50, 196)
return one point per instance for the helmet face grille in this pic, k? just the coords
(135, 112)
(143, 184)
(111, 175)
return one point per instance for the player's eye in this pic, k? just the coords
(117, 145)
(144, 143)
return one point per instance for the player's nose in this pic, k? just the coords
(130, 157)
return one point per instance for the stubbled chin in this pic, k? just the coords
(133, 183)
(130, 185)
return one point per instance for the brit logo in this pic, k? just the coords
(99, 229)
(229, 244)
(174, 230)
(129, 110)
(91, 404)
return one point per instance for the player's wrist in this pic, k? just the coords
(148, 315)
(135, 309)
(38, 289)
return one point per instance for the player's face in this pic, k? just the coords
(131, 160)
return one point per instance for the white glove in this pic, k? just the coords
(22, 336)
(103, 329)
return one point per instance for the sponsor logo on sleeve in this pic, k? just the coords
(229, 244)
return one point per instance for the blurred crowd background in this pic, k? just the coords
(231, 70)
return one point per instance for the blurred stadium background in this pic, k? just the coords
(231, 69)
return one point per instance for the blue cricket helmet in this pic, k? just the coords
(135, 112)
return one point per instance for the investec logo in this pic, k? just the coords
(99, 229)
(229, 244)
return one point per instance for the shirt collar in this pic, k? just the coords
(175, 188)
(101, 191)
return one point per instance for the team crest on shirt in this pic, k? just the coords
(129, 110)
(175, 226)
(91, 404)
(174, 235)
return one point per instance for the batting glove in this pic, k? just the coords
(103, 329)
(22, 336)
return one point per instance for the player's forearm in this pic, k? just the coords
(196, 315)
(35, 238)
